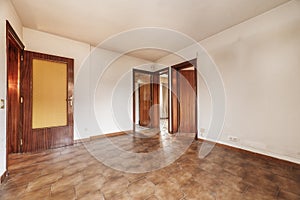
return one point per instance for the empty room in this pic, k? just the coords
(145, 100)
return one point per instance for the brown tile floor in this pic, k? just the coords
(73, 173)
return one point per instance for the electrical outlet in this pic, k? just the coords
(202, 131)
(232, 138)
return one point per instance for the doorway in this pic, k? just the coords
(164, 99)
(150, 99)
(184, 98)
(39, 98)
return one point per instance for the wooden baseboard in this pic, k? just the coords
(81, 140)
(108, 135)
(3, 176)
(263, 156)
(101, 136)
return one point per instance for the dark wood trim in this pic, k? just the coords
(14, 35)
(83, 140)
(3, 176)
(115, 134)
(183, 65)
(260, 155)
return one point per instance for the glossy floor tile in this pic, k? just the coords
(74, 172)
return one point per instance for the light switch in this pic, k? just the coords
(2, 104)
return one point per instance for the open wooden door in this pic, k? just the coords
(187, 96)
(184, 98)
(47, 95)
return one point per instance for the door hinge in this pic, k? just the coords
(22, 57)
(21, 99)
(21, 142)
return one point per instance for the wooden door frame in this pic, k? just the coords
(156, 100)
(134, 71)
(11, 35)
(176, 68)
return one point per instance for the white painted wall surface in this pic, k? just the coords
(259, 61)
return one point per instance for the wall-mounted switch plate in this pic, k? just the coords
(2, 104)
(232, 138)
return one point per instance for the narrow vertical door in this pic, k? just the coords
(187, 97)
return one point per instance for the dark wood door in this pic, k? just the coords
(145, 102)
(14, 55)
(47, 91)
(184, 98)
(187, 97)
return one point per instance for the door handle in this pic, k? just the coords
(70, 100)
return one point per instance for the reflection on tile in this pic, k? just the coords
(73, 173)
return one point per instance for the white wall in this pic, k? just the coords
(98, 73)
(7, 12)
(259, 62)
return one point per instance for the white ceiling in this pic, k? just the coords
(93, 21)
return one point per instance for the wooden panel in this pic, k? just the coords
(50, 137)
(187, 95)
(184, 113)
(27, 103)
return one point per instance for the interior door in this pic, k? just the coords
(47, 93)
(184, 98)
(145, 103)
(187, 114)
(14, 59)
